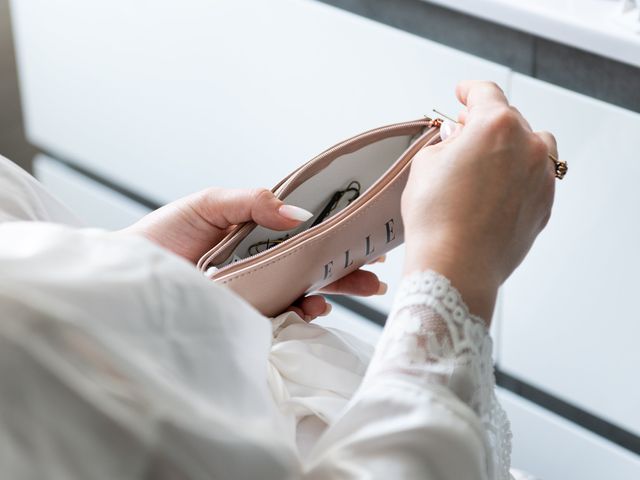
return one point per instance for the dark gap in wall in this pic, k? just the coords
(581, 417)
(487, 40)
(141, 199)
(534, 65)
(568, 67)
(599, 77)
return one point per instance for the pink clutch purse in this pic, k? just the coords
(354, 189)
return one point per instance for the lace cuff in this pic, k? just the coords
(431, 336)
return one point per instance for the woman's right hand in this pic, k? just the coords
(475, 202)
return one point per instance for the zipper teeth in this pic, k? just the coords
(398, 126)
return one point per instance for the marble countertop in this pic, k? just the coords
(597, 26)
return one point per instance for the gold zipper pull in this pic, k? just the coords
(446, 117)
(433, 122)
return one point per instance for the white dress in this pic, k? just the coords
(118, 360)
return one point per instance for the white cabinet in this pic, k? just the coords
(552, 448)
(165, 99)
(571, 320)
(95, 204)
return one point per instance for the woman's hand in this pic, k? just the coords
(189, 227)
(475, 203)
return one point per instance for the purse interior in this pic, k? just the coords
(348, 173)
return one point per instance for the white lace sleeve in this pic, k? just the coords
(431, 336)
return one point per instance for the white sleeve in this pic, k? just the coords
(426, 407)
(119, 360)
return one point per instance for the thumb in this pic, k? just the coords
(225, 207)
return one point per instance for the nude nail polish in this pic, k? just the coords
(295, 213)
(446, 129)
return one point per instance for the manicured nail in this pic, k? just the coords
(380, 259)
(294, 213)
(327, 310)
(382, 288)
(446, 129)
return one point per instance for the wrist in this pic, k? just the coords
(466, 271)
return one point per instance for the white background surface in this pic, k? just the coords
(555, 449)
(571, 322)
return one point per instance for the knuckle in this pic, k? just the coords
(539, 147)
(548, 136)
(259, 198)
(260, 195)
(551, 186)
(545, 219)
(490, 85)
(550, 142)
(514, 110)
(207, 198)
(212, 192)
(550, 194)
(540, 168)
(503, 119)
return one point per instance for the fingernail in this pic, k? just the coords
(294, 213)
(308, 318)
(446, 129)
(382, 288)
(380, 259)
(327, 310)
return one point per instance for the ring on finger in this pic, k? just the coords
(561, 166)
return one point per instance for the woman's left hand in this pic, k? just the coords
(191, 226)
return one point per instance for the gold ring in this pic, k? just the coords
(561, 167)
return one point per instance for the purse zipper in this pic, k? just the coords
(426, 123)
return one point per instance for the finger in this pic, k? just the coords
(550, 142)
(521, 119)
(224, 207)
(462, 116)
(359, 282)
(314, 306)
(380, 259)
(473, 93)
(548, 190)
(449, 129)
